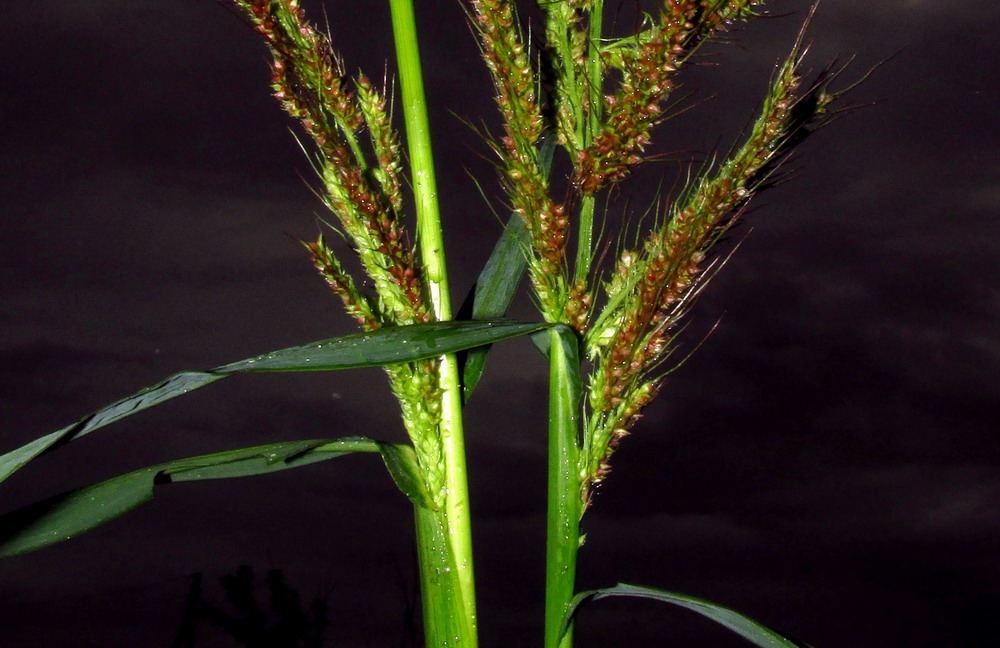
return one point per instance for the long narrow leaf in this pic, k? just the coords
(500, 277)
(68, 515)
(377, 348)
(494, 292)
(754, 632)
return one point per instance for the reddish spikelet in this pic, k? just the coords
(356, 305)
(578, 307)
(647, 80)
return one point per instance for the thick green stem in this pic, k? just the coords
(565, 506)
(445, 624)
(456, 572)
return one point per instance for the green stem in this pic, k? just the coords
(565, 506)
(445, 623)
(457, 575)
(595, 76)
(595, 103)
(585, 239)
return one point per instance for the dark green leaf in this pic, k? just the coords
(68, 515)
(175, 385)
(494, 292)
(754, 632)
(382, 347)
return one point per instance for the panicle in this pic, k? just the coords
(652, 288)
(308, 79)
(366, 196)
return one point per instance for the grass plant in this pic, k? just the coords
(607, 329)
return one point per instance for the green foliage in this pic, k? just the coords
(609, 328)
(383, 347)
(66, 516)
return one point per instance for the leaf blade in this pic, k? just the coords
(75, 512)
(753, 631)
(377, 348)
(390, 345)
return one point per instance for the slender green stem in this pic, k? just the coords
(565, 506)
(595, 76)
(457, 528)
(595, 102)
(585, 239)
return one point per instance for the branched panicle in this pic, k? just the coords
(653, 287)
(366, 196)
(308, 79)
(516, 86)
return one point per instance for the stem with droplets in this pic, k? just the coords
(444, 536)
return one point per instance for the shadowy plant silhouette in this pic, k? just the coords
(284, 623)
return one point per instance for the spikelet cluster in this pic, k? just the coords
(647, 63)
(653, 287)
(308, 79)
(516, 85)
(363, 189)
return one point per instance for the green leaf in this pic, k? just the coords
(754, 632)
(175, 385)
(385, 346)
(494, 292)
(498, 282)
(376, 348)
(70, 514)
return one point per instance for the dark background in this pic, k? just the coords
(826, 462)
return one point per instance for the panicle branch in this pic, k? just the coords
(308, 79)
(356, 304)
(647, 63)
(652, 288)
(516, 84)
(366, 196)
